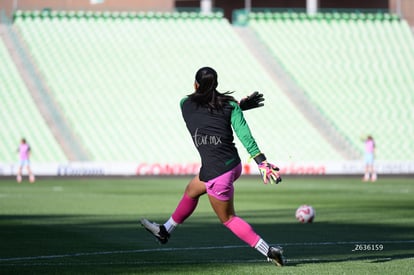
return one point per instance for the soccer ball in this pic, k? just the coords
(305, 214)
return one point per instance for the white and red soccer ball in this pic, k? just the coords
(305, 214)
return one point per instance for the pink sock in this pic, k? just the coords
(243, 230)
(184, 209)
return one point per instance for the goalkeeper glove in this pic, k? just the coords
(252, 101)
(268, 171)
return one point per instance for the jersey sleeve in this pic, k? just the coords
(242, 130)
(182, 101)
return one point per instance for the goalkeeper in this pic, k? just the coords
(210, 117)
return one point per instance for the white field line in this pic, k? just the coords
(167, 249)
(157, 263)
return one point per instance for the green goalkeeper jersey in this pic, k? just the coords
(212, 134)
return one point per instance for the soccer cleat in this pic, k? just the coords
(275, 255)
(157, 230)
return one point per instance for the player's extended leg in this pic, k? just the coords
(227, 216)
(189, 201)
(185, 208)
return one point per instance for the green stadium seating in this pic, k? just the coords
(357, 68)
(21, 118)
(119, 79)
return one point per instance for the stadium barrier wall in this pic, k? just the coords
(179, 169)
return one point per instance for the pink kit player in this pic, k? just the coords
(370, 173)
(24, 156)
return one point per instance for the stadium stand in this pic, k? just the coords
(356, 68)
(21, 118)
(118, 79)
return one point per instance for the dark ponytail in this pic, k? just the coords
(206, 94)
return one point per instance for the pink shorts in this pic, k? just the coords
(222, 187)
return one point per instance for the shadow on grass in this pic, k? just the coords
(203, 239)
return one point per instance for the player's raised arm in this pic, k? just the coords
(268, 171)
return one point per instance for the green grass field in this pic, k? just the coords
(90, 226)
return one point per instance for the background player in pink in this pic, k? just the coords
(24, 156)
(370, 173)
(211, 117)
